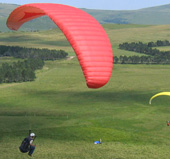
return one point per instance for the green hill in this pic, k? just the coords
(6, 9)
(148, 16)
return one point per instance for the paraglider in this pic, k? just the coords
(159, 94)
(87, 37)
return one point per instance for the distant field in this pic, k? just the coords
(52, 39)
(118, 33)
(123, 26)
(68, 117)
(163, 48)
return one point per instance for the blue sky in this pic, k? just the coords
(98, 4)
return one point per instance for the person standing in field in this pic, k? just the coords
(27, 144)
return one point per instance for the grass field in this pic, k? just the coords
(68, 117)
(118, 33)
(163, 48)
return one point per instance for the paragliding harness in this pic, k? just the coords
(25, 145)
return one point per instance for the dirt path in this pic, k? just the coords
(70, 57)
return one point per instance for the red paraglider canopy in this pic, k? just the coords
(87, 37)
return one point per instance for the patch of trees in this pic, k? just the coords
(22, 52)
(155, 56)
(20, 71)
(23, 71)
(116, 20)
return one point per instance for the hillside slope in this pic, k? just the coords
(118, 33)
(148, 16)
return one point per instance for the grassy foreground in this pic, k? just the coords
(67, 116)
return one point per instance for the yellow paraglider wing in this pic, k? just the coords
(159, 94)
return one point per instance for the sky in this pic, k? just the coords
(98, 4)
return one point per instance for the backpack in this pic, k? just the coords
(25, 144)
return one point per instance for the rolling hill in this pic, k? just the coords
(149, 16)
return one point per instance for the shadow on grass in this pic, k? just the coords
(86, 97)
(86, 127)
